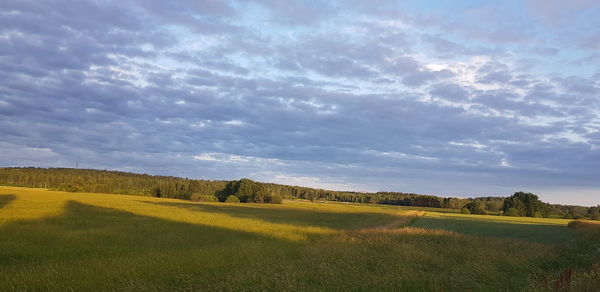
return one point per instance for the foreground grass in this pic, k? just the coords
(577, 267)
(78, 241)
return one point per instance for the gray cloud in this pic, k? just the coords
(450, 91)
(297, 12)
(190, 88)
(555, 13)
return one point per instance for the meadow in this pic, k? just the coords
(59, 241)
(543, 230)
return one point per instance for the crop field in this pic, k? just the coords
(63, 241)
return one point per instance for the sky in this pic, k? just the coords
(453, 98)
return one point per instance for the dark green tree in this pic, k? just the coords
(246, 190)
(512, 212)
(526, 204)
(476, 207)
(594, 213)
(156, 192)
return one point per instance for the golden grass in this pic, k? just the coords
(32, 203)
(503, 219)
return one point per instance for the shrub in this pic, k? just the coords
(276, 199)
(465, 211)
(70, 188)
(232, 199)
(203, 198)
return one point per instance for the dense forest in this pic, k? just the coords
(245, 190)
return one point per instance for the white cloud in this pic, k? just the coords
(238, 159)
(234, 123)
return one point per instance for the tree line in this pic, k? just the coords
(246, 190)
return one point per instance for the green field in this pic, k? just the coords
(81, 241)
(543, 230)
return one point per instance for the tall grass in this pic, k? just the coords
(578, 266)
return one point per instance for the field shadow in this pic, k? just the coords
(298, 217)
(540, 233)
(6, 199)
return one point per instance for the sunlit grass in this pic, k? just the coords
(27, 204)
(507, 219)
(31, 203)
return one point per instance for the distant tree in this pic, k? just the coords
(116, 182)
(576, 212)
(261, 196)
(232, 199)
(513, 206)
(79, 184)
(229, 189)
(427, 201)
(476, 207)
(494, 205)
(455, 203)
(594, 213)
(465, 210)
(246, 190)
(526, 204)
(156, 192)
(512, 212)
(312, 196)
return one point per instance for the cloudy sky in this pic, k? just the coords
(455, 98)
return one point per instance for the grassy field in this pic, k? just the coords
(543, 230)
(78, 241)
